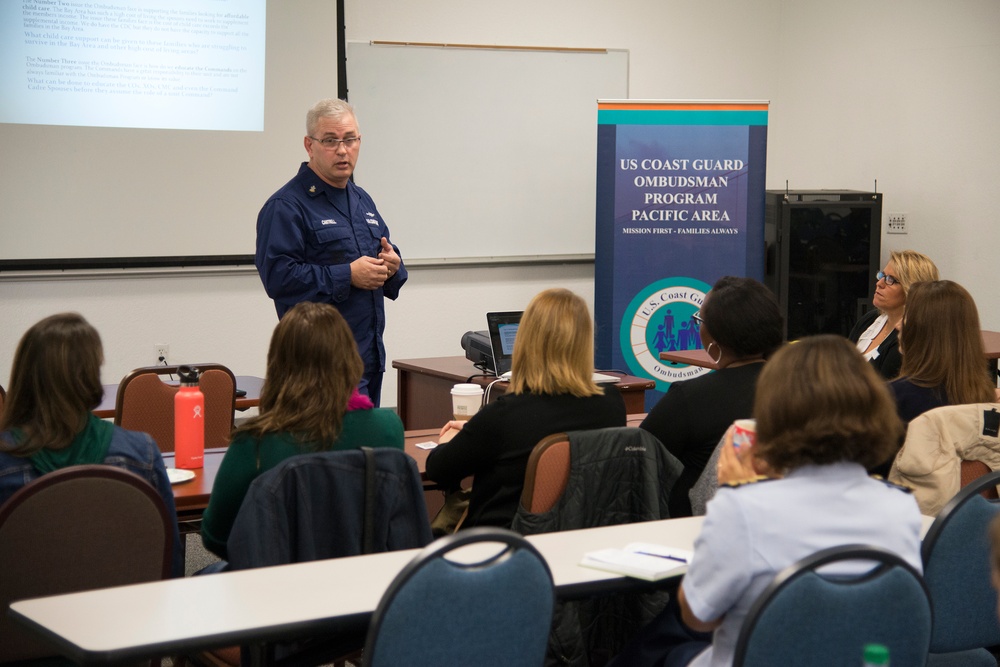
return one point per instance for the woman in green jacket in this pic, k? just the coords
(308, 403)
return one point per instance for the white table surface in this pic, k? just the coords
(202, 612)
(197, 613)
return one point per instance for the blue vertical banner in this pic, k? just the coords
(680, 203)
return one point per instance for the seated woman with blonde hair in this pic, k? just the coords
(551, 391)
(876, 333)
(309, 403)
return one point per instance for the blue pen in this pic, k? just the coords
(646, 553)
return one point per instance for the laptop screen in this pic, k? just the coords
(502, 328)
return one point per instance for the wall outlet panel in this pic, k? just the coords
(162, 357)
(897, 224)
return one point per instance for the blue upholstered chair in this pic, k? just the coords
(327, 505)
(492, 606)
(805, 617)
(956, 554)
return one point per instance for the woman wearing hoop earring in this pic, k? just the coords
(717, 360)
(740, 326)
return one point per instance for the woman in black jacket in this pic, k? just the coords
(740, 327)
(875, 334)
(551, 391)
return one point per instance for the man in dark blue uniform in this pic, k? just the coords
(320, 238)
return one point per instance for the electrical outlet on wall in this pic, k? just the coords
(897, 224)
(162, 354)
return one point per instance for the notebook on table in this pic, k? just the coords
(502, 327)
(651, 562)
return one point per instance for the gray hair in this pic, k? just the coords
(328, 108)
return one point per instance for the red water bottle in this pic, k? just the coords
(189, 421)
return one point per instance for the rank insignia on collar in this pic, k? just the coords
(312, 189)
(902, 487)
(744, 482)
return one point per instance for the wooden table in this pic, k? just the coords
(278, 603)
(991, 346)
(249, 383)
(423, 397)
(191, 497)
(699, 358)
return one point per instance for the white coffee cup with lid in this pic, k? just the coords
(466, 398)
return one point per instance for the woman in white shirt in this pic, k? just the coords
(875, 334)
(823, 417)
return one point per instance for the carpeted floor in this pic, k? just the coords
(196, 556)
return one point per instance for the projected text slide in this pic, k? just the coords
(183, 64)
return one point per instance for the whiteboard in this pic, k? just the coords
(482, 152)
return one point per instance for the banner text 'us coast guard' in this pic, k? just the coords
(680, 203)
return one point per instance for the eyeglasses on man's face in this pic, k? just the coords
(889, 280)
(331, 143)
(697, 317)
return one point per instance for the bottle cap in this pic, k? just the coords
(876, 654)
(188, 375)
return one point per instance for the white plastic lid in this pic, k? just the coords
(464, 389)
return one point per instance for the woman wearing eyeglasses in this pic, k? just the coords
(740, 326)
(876, 334)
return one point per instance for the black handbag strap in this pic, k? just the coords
(368, 532)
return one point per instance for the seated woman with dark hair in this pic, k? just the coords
(942, 347)
(308, 403)
(823, 416)
(740, 327)
(551, 391)
(47, 422)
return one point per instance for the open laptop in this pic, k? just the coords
(502, 327)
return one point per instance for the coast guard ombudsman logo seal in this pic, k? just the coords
(660, 318)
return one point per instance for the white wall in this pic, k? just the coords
(903, 92)
(906, 93)
(228, 319)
